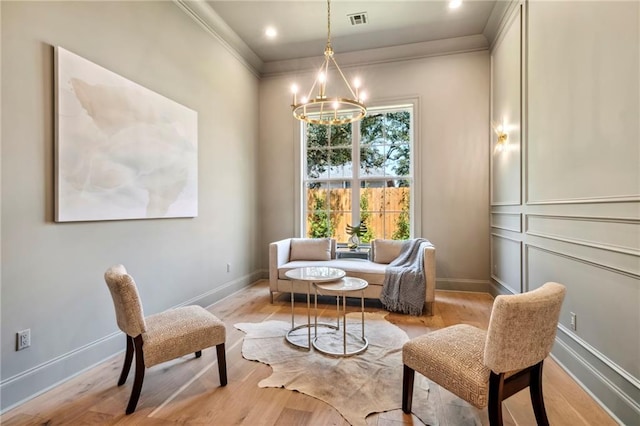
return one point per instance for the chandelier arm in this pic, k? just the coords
(315, 82)
(326, 77)
(344, 79)
(312, 87)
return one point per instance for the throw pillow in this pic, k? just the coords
(310, 249)
(385, 251)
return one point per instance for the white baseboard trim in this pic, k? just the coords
(37, 380)
(462, 284)
(612, 391)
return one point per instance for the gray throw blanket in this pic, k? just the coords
(403, 289)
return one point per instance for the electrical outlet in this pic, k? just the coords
(23, 339)
(574, 323)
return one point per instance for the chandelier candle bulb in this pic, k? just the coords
(294, 90)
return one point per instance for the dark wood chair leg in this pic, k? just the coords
(198, 354)
(407, 389)
(222, 364)
(128, 357)
(535, 389)
(496, 385)
(137, 383)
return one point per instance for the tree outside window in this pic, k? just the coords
(360, 173)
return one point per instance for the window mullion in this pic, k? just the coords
(355, 171)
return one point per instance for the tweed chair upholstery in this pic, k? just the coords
(522, 328)
(452, 357)
(181, 331)
(486, 367)
(163, 336)
(126, 300)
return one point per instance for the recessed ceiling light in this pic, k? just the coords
(454, 4)
(270, 32)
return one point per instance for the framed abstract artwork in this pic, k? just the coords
(122, 150)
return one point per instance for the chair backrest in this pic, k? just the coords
(126, 300)
(522, 328)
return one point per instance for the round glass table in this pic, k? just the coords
(309, 275)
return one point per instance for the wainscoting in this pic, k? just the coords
(565, 191)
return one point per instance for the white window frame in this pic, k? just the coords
(415, 191)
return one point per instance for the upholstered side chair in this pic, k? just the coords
(160, 337)
(486, 367)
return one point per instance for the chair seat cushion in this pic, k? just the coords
(178, 332)
(453, 358)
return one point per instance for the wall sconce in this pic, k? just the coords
(502, 136)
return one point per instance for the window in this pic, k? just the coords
(360, 172)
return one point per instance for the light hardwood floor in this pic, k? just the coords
(186, 391)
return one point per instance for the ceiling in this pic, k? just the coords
(302, 24)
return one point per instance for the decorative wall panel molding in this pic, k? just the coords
(506, 258)
(602, 298)
(584, 200)
(506, 114)
(565, 334)
(620, 235)
(506, 221)
(603, 382)
(582, 118)
(614, 260)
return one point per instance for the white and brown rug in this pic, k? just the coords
(356, 386)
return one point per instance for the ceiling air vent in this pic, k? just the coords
(358, 18)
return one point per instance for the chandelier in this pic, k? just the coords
(329, 109)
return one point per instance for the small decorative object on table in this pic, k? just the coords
(356, 232)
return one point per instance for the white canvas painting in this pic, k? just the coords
(122, 151)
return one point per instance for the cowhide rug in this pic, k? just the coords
(356, 386)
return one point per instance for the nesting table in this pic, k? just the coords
(341, 288)
(309, 275)
(326, 281)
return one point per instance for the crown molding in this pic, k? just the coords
(497, 20)
(382, 55)
(207, 18)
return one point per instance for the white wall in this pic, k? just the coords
(574, 217)
(453, 131)
(52, 273)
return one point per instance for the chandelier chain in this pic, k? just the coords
(329, 23)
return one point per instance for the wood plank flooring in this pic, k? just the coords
(187, 391)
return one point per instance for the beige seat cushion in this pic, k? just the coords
(178, 332)
(453, 358)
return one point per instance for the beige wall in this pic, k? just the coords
(574, 217)
(453, 101)
(52, 273)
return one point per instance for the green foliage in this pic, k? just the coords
(327, 146)
(403, 226)
(385, 139)
(364, 217)
(320, 226)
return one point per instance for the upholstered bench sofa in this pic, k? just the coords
(292, 253)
